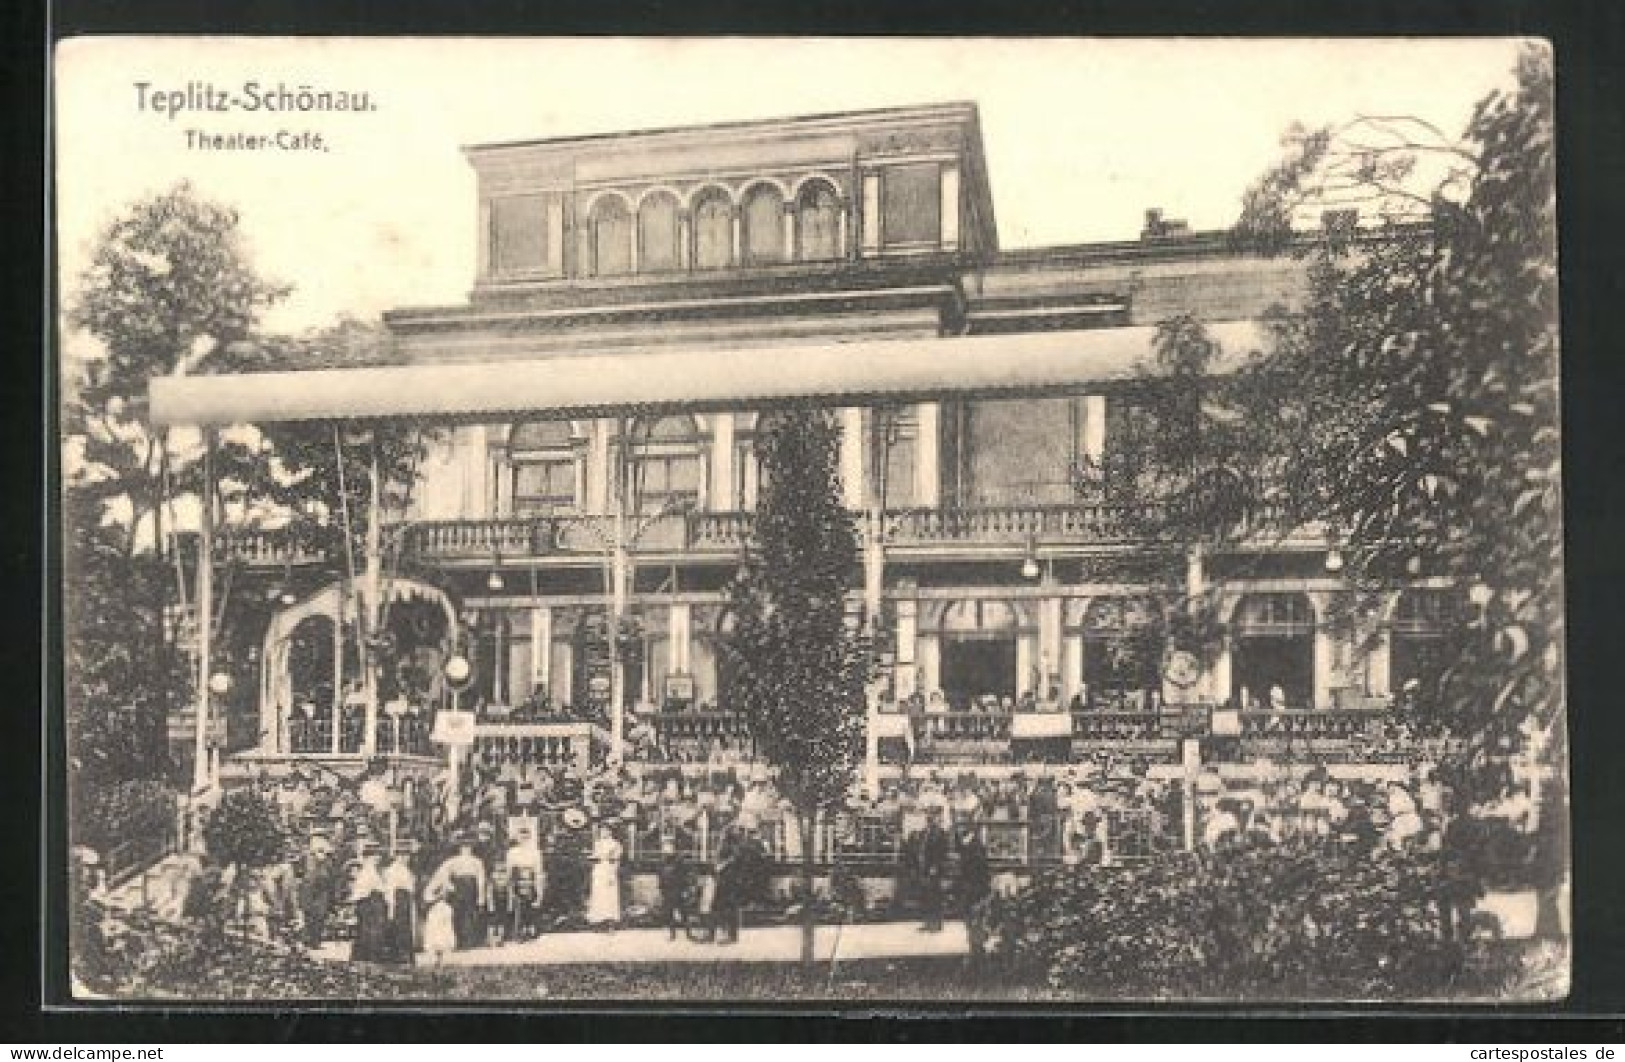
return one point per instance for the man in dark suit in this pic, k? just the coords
(933, 869)
(975, 888)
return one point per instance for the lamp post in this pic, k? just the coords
(205, 611)
(457, 671)
(219, 686)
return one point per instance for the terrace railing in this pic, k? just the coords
(485, 539)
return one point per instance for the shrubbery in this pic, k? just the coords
(107, 816)
(1309, 919)
(244, 830)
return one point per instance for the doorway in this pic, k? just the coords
(975, 667)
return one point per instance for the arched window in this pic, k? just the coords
(818, 222)
(611, 238)
(762, 219)
(979, 652)
(666, 463)
(713, 232)
(657, 234)
(1122, 653)
(1274, 649)
(542, 456)
(1423, 619)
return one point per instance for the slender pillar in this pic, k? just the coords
(930, 663)
(907, 634)
(205, 612)
(685, 240)
(1325, 655)
(598, 486)
(1379, 665)
(1025, 654)
(1094, 426)
(871, 213)
(680, 628)
(927, 454)
(852, 478)
(722, 463)
(950, 207)
(541, 647)
(790, 230)
(338, 670)
(1072, 668)
(1049, 643)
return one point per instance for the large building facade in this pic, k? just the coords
(1005, 576)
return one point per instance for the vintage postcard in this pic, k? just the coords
(713, 520)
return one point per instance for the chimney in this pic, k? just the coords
(1158, 227)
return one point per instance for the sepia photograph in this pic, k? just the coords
(713, 521)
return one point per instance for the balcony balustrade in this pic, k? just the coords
(486, 539)
(726, 532)
(264, 548)
(1018, 525)
(1331, 724)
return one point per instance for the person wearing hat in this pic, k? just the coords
(604, 891)
(400, 897)
(462, 881)
(527, 869)
(319, 880)
(932, 856)
(675, 887)
(974, 889)
(367, 895)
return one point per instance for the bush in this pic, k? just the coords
(106, 816)
(244, 831)
(1310, 919)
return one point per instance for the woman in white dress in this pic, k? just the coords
(604, 897)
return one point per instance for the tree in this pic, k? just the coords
(115, 688)
(1422, 411)
(169, 287)
(798, 666)
(242, 835)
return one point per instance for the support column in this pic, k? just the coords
(680, 628)
(685, 240)
(929, 649)
(1325, 655)
(852, 478)
(1049, 645)
(950, 207)
(541, 647)
(790, 230)
(476, 465)
(843, 249)
(907, 634)
(927, 454)
(597, 500)
(1026, 653)
(736, 227)
(871, 213)
(1379, 664)
(722, 463)
(555, 235)
(1093, 443)
(1072, 668)
(205, 613)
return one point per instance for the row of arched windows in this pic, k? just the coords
(650, 240)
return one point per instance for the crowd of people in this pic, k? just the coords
(503, 849)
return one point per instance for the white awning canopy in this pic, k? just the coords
(713, 378)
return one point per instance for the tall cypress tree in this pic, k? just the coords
(797, 664)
